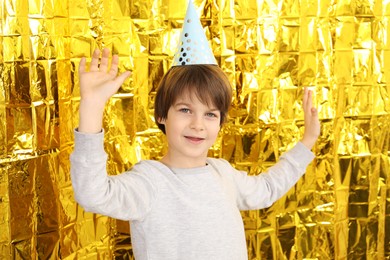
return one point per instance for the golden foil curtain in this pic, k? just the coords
(269, 49)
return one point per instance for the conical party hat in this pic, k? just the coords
(193, 46)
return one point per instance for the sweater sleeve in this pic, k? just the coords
(261, 191)
(127, 196)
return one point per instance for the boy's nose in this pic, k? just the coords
(197, 124)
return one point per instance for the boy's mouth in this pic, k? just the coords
(194, 139)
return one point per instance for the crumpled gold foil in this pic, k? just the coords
(269, 50)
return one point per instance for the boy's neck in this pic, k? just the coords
(183, 163)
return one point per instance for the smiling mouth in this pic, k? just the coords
(194, 139)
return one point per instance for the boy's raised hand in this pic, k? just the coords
(101, 81)
(312, 123)
(96, 86)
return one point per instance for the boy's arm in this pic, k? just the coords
(96, 86)
(126, 196)
(264, 189)
(94, 190)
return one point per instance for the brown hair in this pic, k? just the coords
(208, 82)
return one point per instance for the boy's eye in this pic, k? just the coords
(211, 115)
(184, 110)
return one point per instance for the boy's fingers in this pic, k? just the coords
(304, 100)
(118, 81)
(122, 77)
(104, 60)
(82, 65)
(314, 111)
(114, 65)
(95, 60)
(309, 101)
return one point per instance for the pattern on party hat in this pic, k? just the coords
(193, 46)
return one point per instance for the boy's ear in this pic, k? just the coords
(160, 120)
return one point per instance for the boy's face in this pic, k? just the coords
(191, 129)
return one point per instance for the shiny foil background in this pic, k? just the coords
(270, 49)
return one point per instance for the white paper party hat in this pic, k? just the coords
(193, 46)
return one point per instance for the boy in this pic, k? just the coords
(185, 206)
